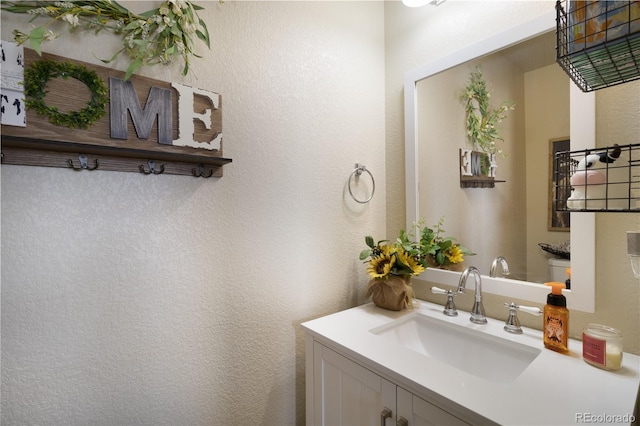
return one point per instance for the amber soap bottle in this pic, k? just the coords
(556, 319)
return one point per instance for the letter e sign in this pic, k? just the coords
(187, 116)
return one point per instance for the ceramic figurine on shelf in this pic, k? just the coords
(589, 181)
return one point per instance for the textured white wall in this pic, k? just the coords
(166, 300)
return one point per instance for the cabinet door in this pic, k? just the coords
(418, 412)
(347, 394)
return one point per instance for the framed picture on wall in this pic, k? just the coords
(559, 189)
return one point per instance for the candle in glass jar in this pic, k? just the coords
(602, 346)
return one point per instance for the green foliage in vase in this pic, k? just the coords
(411, 252)
(431, 244)
(389, 258)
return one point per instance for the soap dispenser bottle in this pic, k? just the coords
(556, 319)
(567, 283)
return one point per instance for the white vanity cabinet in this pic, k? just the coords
(345, 393)
(418, 412)
(341, 392)
(356, 368)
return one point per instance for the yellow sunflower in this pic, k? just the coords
(410, 262)
(379, 267)
(454, 254)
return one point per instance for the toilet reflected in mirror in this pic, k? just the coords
(558, 270)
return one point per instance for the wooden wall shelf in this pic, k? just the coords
(31, 152)
(479, 183)
(471, 169)
(43, 144)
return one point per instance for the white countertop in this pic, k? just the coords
(555, 388)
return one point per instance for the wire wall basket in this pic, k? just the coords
(598, 42)
(598, 180)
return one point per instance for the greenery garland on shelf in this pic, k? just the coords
(482, 121)
(149, 38)
(40, 72)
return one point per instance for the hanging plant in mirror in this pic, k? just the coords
(478, 165)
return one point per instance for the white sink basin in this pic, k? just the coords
(483, 355)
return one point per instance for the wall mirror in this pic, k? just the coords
(500, 221)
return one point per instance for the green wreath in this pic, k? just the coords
(39, 73)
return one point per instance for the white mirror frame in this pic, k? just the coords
(582, 134)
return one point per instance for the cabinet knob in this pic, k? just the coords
(402, 422)
(385, 414)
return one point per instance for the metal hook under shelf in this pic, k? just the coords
(201, 172)
(84, 163)
(357, 171)
(152, 168)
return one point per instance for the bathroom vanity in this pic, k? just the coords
(367, 366)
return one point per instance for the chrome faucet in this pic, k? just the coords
(477, 312)
(503, 263)
(512, 324)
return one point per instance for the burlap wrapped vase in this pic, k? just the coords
(394, 292)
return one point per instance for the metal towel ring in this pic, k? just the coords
(357, 172)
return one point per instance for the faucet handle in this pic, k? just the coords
(531, 310)
(438, 290)
(512, 324)
(450, 307)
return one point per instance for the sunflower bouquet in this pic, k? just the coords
(390, 258)
(391, 264)
(410, 255)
